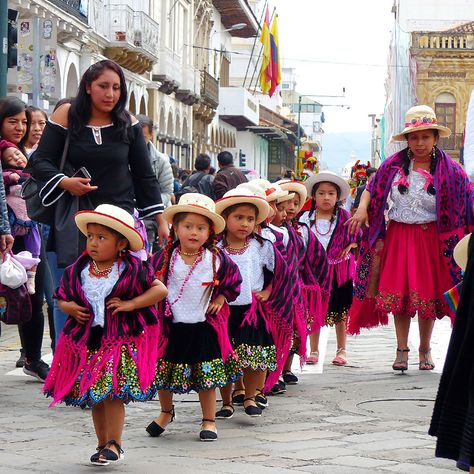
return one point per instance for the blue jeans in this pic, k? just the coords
(57, 273)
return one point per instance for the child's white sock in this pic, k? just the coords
(30, 282)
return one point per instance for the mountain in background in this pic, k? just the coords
(340, 148)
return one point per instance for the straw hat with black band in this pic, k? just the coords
(113, 217)
(328, 177)
(242, 195)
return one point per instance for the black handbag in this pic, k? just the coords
(15, 305)
(30, 192)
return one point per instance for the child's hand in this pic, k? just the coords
(216, 305)
(79, 313)
(263, 295)
(346, 251)
(14, 178)
(120, 306)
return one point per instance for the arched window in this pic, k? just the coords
(445, 108)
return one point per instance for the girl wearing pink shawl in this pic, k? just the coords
(405, 267)
(326, 219)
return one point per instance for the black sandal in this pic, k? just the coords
(154, 429)
(207, 435)
(107, 455)
(226, 412)
(238, 399)
(252, 410)
(260, 399)
(95, 457)
(289, 377)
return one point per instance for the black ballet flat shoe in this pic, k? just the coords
(154, 429)
(95, 457)
(252, 410)
(289, 377)
(261, 400)
(238, 400)
(207, 435)
(107, 455)
(226, 412)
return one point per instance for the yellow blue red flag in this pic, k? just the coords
(275, 57)
(266, 70)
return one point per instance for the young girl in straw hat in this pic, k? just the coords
(312, 268)
(195, 352)
(106, 355)
(261, 317)
(326, 219)
(405, 267)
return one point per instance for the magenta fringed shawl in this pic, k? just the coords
(229, 280)
(139, 328)
(455, 218)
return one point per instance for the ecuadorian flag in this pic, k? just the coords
(275, 57)
(265, 78)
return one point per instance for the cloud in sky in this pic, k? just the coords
(334, 44)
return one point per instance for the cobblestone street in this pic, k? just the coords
(353, 420)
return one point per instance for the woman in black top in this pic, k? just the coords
(109, 143)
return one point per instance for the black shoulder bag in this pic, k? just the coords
(30, 192)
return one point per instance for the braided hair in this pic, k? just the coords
(406, 155)
(313, 202)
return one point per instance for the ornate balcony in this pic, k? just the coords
(132, 36)
(209, 90)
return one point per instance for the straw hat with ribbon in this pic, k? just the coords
(272, 191)
(294, 187)
(113, 217)
(330, 177)
(421, 117)
(242, 195)
(197, 204)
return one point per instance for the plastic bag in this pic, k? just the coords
(12, 273)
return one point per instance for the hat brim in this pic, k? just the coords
(460, 251)
(323, 177)
(298, 188)
(260, 203)
(218, 221)
(287, 197)
(83, 218)
(444, 132)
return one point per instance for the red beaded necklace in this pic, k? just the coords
(186, 278)
(316, 226)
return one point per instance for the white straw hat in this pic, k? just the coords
(272, 191)
(243, 195)
(294, 187)
(113, 217)
(421, 117)
(197, 204)
(460, 251)
(328, 176)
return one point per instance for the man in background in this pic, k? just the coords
(228, 177)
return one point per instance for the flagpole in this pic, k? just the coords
(258, 59)
(254, 43)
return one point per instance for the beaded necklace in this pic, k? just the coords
(235, 251)
(316, 226)
(96, 272)
(186, 279)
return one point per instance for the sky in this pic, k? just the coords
(314, 35)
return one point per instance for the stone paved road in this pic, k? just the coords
(358, 419)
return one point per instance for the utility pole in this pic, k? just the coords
(299, 133)
(3, 46)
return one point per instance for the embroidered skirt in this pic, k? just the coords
(340, 301)
(193, 360)
(253, 344)
(413, 274)
(126, 386)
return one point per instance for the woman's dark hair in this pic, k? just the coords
(10, 106)
(406, 155)
(80, 111)
(32, 108)
(313, 201)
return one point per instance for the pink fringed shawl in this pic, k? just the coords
(455, 218)
(139, 329)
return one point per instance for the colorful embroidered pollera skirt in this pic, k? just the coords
(413, 273)
(127, 383)
(193, 360)
(340, 302)
(252, 344)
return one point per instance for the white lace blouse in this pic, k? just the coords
(97, 289)
(251, 264)
(414, 207)
(191, 307)
(323, 229)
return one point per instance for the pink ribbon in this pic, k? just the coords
(403, 178)
(429, 178)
